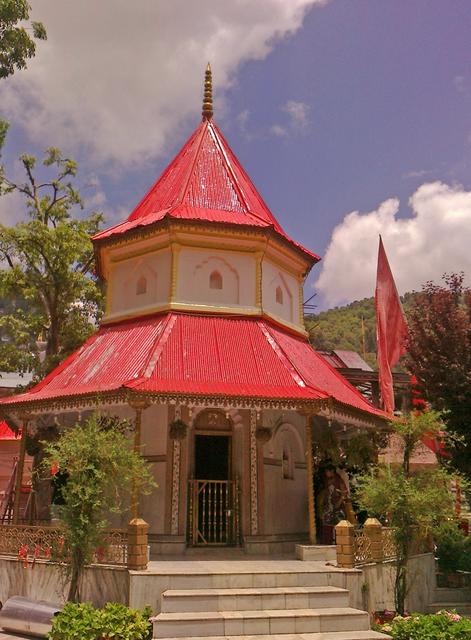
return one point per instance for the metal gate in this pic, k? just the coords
(213, 512)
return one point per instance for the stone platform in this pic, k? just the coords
(280, 599)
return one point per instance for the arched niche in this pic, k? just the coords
(140, 286)
(216, 280)
(280, 297)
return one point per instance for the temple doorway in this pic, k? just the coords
(213, 517)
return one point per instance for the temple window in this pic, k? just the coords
(215, 280)
(141, 286)
(279, 295)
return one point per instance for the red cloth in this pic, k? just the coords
(391, 328)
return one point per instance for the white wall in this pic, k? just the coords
(238, 272)
(154, 444)
(124, 278)
(285, 499)
(274, 277)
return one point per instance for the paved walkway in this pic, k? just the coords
(8, 636)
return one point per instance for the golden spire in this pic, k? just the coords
(207, 112)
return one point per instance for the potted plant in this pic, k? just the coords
(177, 430)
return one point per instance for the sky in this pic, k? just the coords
(352, 117)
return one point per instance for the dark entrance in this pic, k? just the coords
(213, 495)
(212, 457)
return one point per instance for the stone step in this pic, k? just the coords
(463, 608)
(253, 599)
(448, 594)
(268, 621)
(335, 635)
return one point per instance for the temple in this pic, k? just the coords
(203, 346)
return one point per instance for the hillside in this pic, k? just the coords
(341, 327)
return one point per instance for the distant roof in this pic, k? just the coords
(13, 380)
(342, 359)
(352, 360)
(6, 433)
(205, 182)
(187, 354)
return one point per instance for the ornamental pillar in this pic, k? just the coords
(310, 480)
(253, 474)
(345, 542)
(19, 471)
(138, 405)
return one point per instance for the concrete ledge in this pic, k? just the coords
(319, 552)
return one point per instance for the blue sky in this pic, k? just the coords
(357, 107)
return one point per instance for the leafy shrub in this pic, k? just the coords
(116, 621)
(450, 546)
(453, 548)
(444, 625)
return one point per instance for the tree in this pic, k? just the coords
(49, 272)
(440, 357)
(101, 470)
(16, 44)
(412, 503)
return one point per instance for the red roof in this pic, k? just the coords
(6, 433)
(179, 353)
(204, 182)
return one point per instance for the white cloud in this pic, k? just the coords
(459, 82)
(297, 119)
(434, 240)
(298, 113)
(116, 78)
(278, 131)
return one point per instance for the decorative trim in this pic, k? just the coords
(174, 516)
(215, 229)
(326, 407)
(175, 487)
(253, 474)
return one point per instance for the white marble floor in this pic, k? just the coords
(188, 566)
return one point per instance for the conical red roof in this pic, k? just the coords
(204, 182)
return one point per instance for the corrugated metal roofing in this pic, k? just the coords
(203, 355)
(6, 433)
(204, 182)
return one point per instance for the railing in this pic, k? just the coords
(370, 543)
(362, 547)
(30, 543)
(389, 543)
(213, 512)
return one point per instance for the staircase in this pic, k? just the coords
(275, 605)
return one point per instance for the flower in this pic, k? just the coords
(54, 468)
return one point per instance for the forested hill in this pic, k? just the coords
(341, 328)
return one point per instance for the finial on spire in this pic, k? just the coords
(207, 112)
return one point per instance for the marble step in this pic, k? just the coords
(253, 599)
(448, 594)
(334, 635)
(252, 622)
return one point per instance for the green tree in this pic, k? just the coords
(17, 40)
(49, 267)
(102, 470)
(440, 357)
(412, 503)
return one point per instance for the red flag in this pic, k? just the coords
(391, 328)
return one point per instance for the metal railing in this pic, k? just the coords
(362, 546)
(29, 543)
(213, 512)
